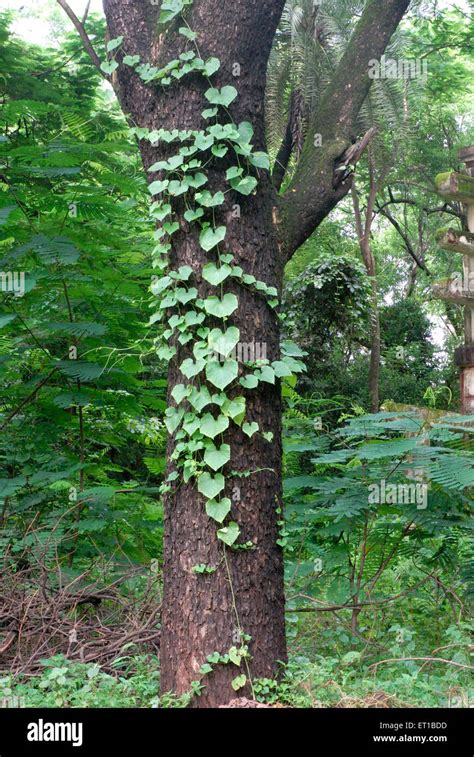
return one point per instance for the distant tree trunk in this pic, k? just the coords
(363, 233)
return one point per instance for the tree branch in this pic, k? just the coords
(408, 245)
(292, 137)
(312, 193)
(82, 32)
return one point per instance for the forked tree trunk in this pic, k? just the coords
(203, 614)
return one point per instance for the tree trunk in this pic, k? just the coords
(207, 613)
(363, 233)
(374, 368)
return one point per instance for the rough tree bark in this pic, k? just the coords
(200, 613)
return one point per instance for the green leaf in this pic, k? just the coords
(221, 308)
(218, 511)
(185, 295)
(205, 669)
(281, 369)
(224, 96)
(235, 409)
(249, 382)
(222, 374)
(267, 374)
(166, 353)
(179, 393)
(109, 66)
(171, 8)
(114, 43)
(198, 180)
(204, 141)
(250, 429)
(211, 66)
(157, 187)
(210, 237)
(245, 132)
(260, 160)
(219, 150)
(155, 465)
(173, 418)
(212, 427)
(210, 201)
(161, 211)
(200, 398)
(193, 215)
(131, 60)
(81, 370)
(190, 368)
(215, 275)
(216, 457)
(211, 486)
(191, 424)
(224, 342)
(230, 534)
(5, 319)
(210, 113)
(244, 186)
(239, 682)
(234, 172)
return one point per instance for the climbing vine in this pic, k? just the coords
(211, 373)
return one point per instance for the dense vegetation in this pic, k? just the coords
(377, 590)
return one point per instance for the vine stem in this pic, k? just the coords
(239, 626)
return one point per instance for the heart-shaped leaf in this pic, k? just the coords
(212, 427)
(211, 486)
(216, 457)
(215, 275)
(222, 374)
(244, 186)
(179, 393)
(173, 418)
(204, 141)
(229, 534)
(260, 160)
(235, 409)
(131, 60)
(210, 201)
(190, 368)
(157, 187)
(211, 66)
(193, 215)
(239, 682)
(218, 511)
(224, 96)
(221, 308)
(161, 211)
(210, 238)
(200, 398)
(224, 342)
(114, 43)
(250, 429)
(109, 66)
